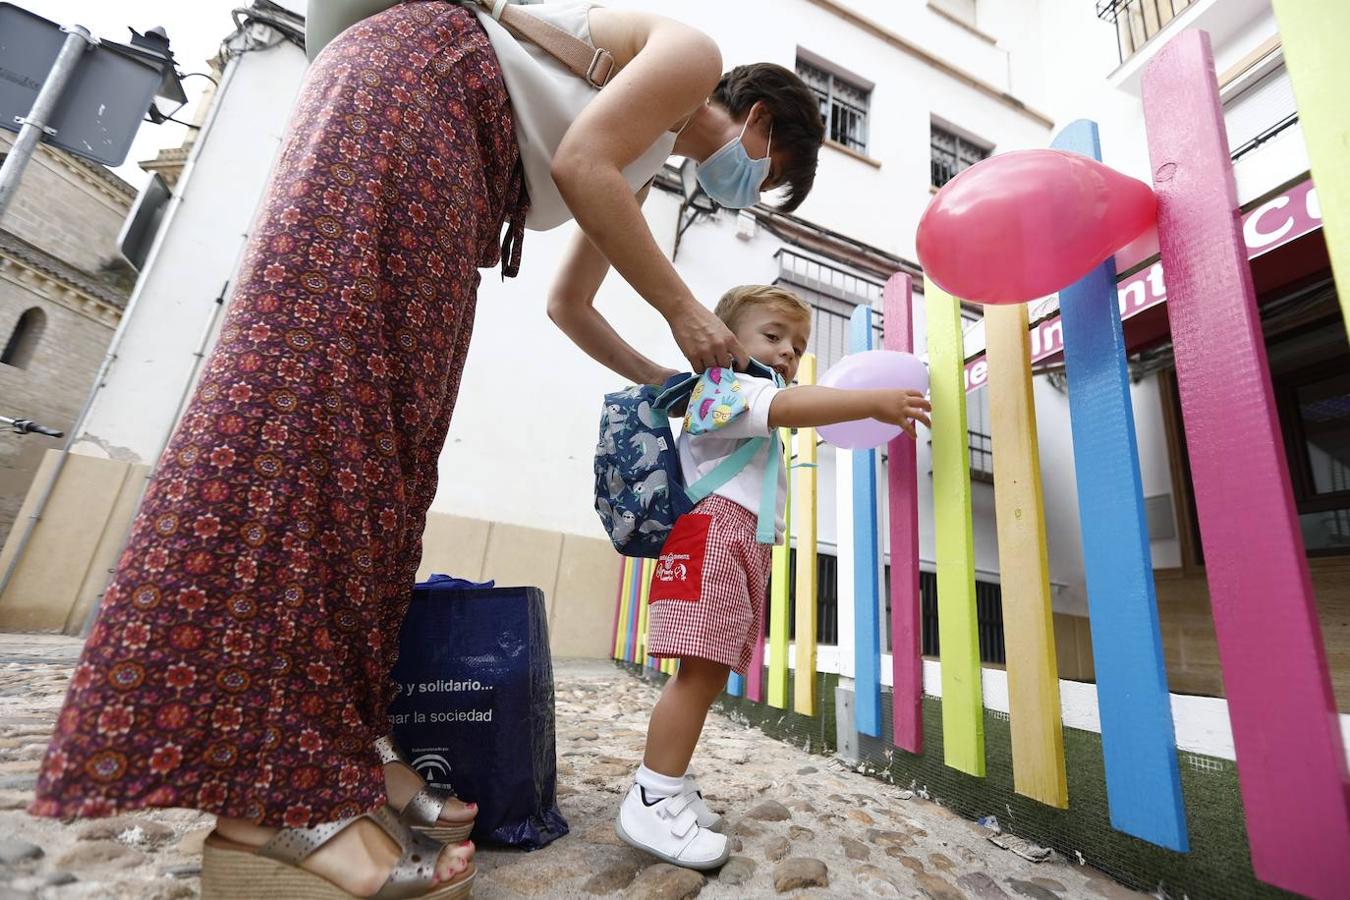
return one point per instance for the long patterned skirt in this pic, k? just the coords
(240, 661)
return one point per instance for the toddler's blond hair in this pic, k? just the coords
(734, 303)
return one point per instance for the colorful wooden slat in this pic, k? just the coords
(736, 685)
(754, 679)
(962, 698)
(621, 607)
(843, 538)
(634, 595)
(644, 591)
(1138, 743)
(1024, 565)
(866, 563)
(902, 488)
(804, 493)
(778, 597)
(1290, 758)
(618, 611)
(1312, 38)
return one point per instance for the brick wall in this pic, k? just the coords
(72, 211)
(66, 209)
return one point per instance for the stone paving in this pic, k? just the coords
(802, 825)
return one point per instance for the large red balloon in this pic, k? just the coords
(1024, 224)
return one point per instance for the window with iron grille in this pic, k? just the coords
(843, 104)
(988, 606)
(952, 153)
(832, 292)
(988, 616)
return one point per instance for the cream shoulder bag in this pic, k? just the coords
(326, 19)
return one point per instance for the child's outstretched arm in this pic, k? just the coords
(808, 406)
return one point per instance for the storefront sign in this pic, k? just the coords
(1266, 227)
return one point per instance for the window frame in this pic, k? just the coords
(962, 140)
(831, 73)
(1306, 498)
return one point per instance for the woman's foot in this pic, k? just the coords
(358, 859)
(401, 784)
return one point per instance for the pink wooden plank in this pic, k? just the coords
(754, 679)
(903, 490)
(1291, 765)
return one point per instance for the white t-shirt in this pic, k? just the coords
(700, 453)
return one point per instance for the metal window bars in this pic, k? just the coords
(951, 154)
(832, 292)
(843, 105)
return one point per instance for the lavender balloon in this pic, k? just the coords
(863, 371)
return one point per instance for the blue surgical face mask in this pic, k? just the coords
(730, 177)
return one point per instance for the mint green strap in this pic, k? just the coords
(767, 532)
(726, 470)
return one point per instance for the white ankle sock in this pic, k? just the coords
(657, 786)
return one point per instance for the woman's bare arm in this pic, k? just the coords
(669, 69)
(571, 306)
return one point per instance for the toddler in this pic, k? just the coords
(708, 588)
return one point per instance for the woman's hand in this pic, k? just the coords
(705, 339)
(901, 407)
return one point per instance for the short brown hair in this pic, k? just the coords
(736, 301)
(797, 124)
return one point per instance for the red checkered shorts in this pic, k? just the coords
(708, 588)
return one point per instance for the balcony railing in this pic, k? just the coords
(1137, 21)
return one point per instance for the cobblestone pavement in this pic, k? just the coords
(803, 825)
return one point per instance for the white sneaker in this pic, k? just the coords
(669, 829)
(706, 817)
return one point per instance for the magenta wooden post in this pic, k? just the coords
(754, 679)
(902, 489)
(1290, 760)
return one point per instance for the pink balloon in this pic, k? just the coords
(1024, 224)
(863, 371)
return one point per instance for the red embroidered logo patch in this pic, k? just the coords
(679, 571)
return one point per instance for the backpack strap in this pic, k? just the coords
(767, 530)
(675, 391)
(595, 65)
(726, 470)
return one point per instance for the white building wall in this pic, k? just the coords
(195, 255)
(521, 444)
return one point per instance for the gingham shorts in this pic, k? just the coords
(708, 588)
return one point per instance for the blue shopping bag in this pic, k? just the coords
(474, 706)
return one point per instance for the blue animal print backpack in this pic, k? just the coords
(639, 486)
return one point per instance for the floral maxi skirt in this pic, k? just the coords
(240, 662)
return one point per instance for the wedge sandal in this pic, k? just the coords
(233, 871)
(423, 811)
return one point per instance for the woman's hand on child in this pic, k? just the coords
(903, 408)
(705, 339)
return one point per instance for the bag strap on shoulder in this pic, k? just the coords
(593, 64)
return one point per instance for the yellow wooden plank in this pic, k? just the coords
(625, 607)
(1314, 34)
(1024, 568)
(962, 700)
(778, 598)
(804, 675)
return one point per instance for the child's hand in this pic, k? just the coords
(903, 408)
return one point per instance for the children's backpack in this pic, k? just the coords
(639, 485)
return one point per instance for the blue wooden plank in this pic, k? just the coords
(1143, 788)
(736, 685)
(866, 603)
